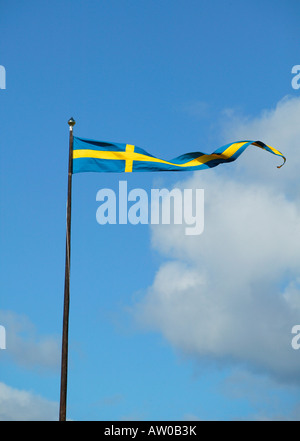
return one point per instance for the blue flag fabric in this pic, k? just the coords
(98, 156)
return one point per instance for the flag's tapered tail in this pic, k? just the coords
(64, 352)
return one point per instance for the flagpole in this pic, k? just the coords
(64, 352)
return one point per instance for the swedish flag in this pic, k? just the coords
(98, 156)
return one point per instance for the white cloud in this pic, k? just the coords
(25, 347)
(20, 405)
(232, 293)
(278, 127)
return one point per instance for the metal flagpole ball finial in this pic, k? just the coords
(71, 123)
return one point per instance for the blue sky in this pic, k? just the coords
(162, 326)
